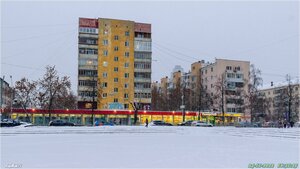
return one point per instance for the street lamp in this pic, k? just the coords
(12, 92)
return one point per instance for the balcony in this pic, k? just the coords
(142, 70)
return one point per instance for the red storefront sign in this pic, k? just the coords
(86, 22)
(142, 27)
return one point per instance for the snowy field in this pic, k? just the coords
(153, 147)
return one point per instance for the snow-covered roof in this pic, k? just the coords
(278, 84)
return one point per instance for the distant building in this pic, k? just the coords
(277, 101)
(114, 61)
(4, 94)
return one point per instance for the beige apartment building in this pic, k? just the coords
(229, 77)
(232, 74)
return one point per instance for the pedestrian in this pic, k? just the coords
(284, 123)
(146, 123)
(292, 124)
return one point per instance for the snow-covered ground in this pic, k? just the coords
(153, 147)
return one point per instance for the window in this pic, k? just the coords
(126, 106)
(126, 43)
(104, 95)
(126, 95)
(105, 32)
(126, 54)
(105, 42)
(104, 74)
(126, 85)
(127, 33)
(104, 84)
(105, 64)
(126, 75)
(88, 51)
(88, 41)
(105, 53)
(211, 69)
(116, 58)
(228, 68)
(116, 69)
(126, 64)
(116, 37)
(211, 85)
(116, 48)
(116, 100)
(116, 90)
(116, 79)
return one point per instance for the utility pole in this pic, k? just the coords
(93, 99)
(1, 99)
(12, 92)
(182, 105)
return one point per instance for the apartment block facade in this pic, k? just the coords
(114, 64)
(205, 77)
(276, 101)
(233, 76)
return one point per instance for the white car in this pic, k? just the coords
(201, 124)
(297, 124)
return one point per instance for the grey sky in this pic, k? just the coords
(36, 34)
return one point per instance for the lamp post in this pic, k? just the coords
(12, 93)
(183, 108)
(1, 99)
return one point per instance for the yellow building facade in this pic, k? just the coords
(115, 64)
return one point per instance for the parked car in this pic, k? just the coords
(9, 123)
(246, 124)
(186, 123)
(104, 123)
(201, 124)
(159, 123)
(60, 123)
(270, 124)
(297, 124)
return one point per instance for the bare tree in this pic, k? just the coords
(25, 93)
(219, 96)
(286, 102)
(50, 88)
(253, 102)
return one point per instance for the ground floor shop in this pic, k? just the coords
(120, 117)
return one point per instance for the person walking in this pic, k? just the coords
(284, 123)
(146, 123)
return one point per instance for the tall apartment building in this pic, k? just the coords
(114, 63)
(234, 76)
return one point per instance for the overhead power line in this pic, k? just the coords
(36, 36)
(171, 55)
(30, 26)
(173, 51)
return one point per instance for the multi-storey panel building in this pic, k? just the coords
(87, 63)
(277, 101)
(229, 77)
(142, 65)
(114, 63)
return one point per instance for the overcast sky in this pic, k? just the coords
(36, 34)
